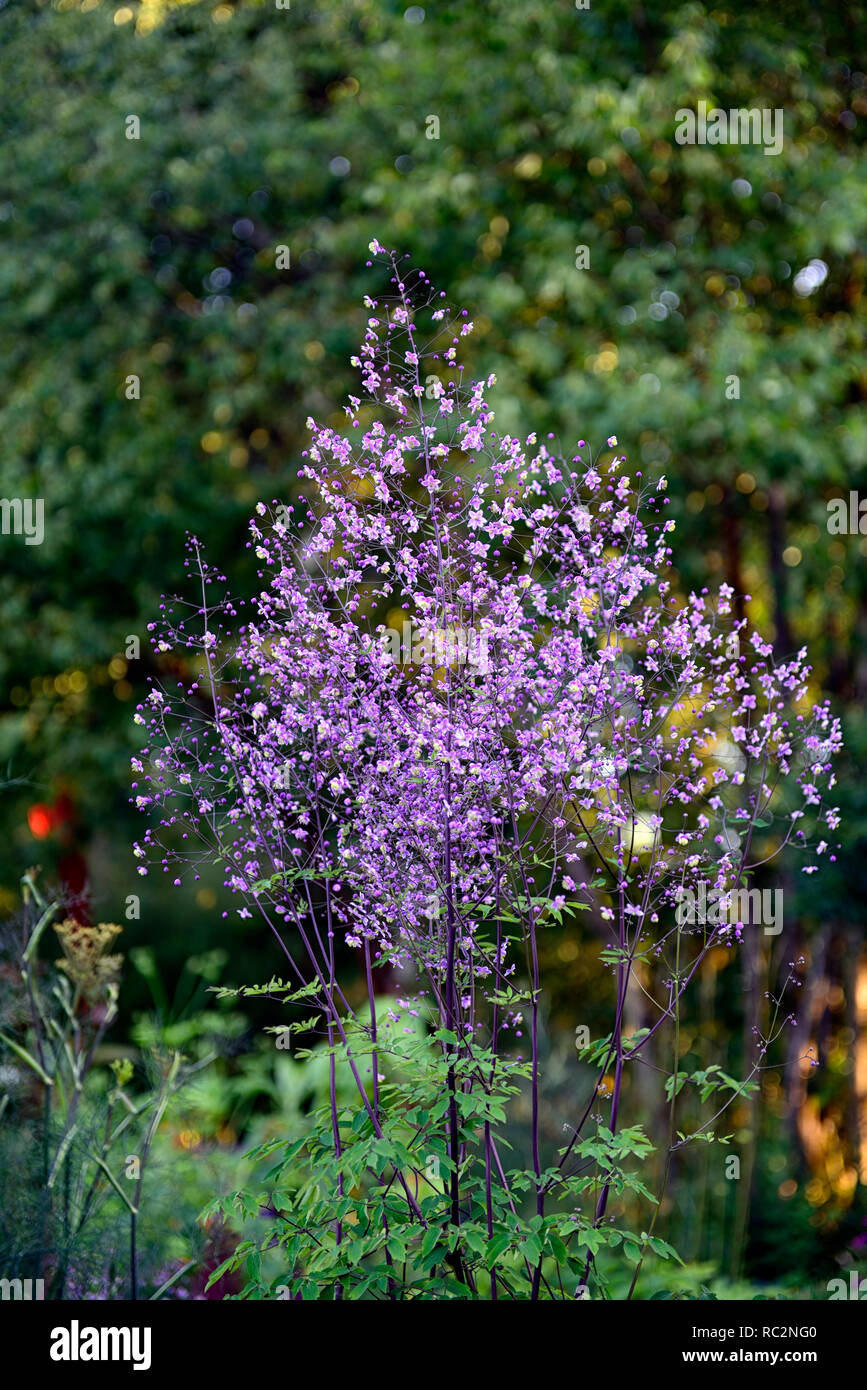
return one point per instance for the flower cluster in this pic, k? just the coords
(622, 743)
(614, 717)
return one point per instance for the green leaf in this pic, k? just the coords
(558, 1249)
(495, 1247)
(430, 1240)
(532, 1249)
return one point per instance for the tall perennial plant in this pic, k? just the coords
(620, 744)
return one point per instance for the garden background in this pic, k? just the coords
(490, 141)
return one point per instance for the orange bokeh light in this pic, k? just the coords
(40, 820)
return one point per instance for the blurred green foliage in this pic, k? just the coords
(307, 128)
(155, 257)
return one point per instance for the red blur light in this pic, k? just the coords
(40, 820)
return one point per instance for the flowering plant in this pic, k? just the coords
(619, 744)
